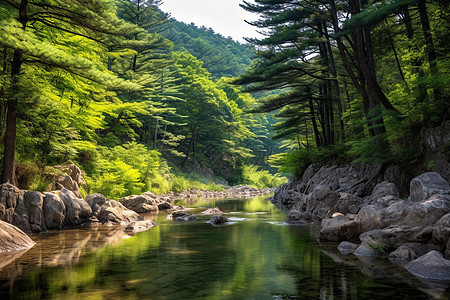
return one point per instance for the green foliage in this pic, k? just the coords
(127, 170)
(261, 178)
(382, 248)
(221, 56)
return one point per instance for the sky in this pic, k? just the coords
(224, 16)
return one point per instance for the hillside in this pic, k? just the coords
(222, 56)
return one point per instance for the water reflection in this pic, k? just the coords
(256, 257)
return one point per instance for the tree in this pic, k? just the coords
(27, 29)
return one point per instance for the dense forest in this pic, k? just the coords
(357, 80)
(97, 83)
(143, 102)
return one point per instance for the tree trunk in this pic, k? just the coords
(188, 150)
(429, 43)
(314, 123)
(11, 115)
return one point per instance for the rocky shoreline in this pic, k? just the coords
(24, 213)
(357, 207)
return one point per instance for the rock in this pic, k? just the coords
(34, 202)
(296, 217)
(54, 211)
(66, 182)
(368, 218)
(218, 220)
(71, 182)
(347, 248)
(426, 185)
(182, 215)
(337, 229)
(322, 201)
(138, 226)
(114, 212)
(164, 206)
(347, 203)
(366, 251)
(95, 201)
(13, 239)
(12, 207)
(427, 212)
(140, 204)
(402, 253)
(76, 209)
(213, 211)
(430, 266)
(441, 230)
(384, 189)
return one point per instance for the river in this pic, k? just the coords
(255, 256)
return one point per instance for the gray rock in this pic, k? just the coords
(12, 208)
(140, 203)
(368, 218)
(76, 209)
(366, 251)
(212, 211)
(424, 186)
(95, 201)
(34, 202)
(441, 230)
(218, 220)
(164, 206)
(182, 215)
(13, 239)
(337, 229)
(138, 226)
(54, 211)
(347, 248)
(427, 212)
(114, 212)
(347, 203)
(403, 253)
(296, 217)
(430, 266)
(384, 189)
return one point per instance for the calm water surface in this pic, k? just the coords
(254, 257)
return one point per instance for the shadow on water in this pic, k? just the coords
(256, 257)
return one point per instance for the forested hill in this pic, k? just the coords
(222, 56)
(107, 86)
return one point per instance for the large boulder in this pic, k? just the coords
(384, 189)
(114, 212)
(218, 220)
(34, 202)
(77, 210)
(430, 266)
(402, 253)
(427, 212)
(12, 207)
(54, 211)
(71, 182)
(441, 233)
(95, 201)
(140, 204)
(368, 218)
(182, 215)
(13, 239)
(364, 250)
(427, 185)
(347, 248)
(337, 229)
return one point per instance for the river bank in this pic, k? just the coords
(32, 212)
(357, 207)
